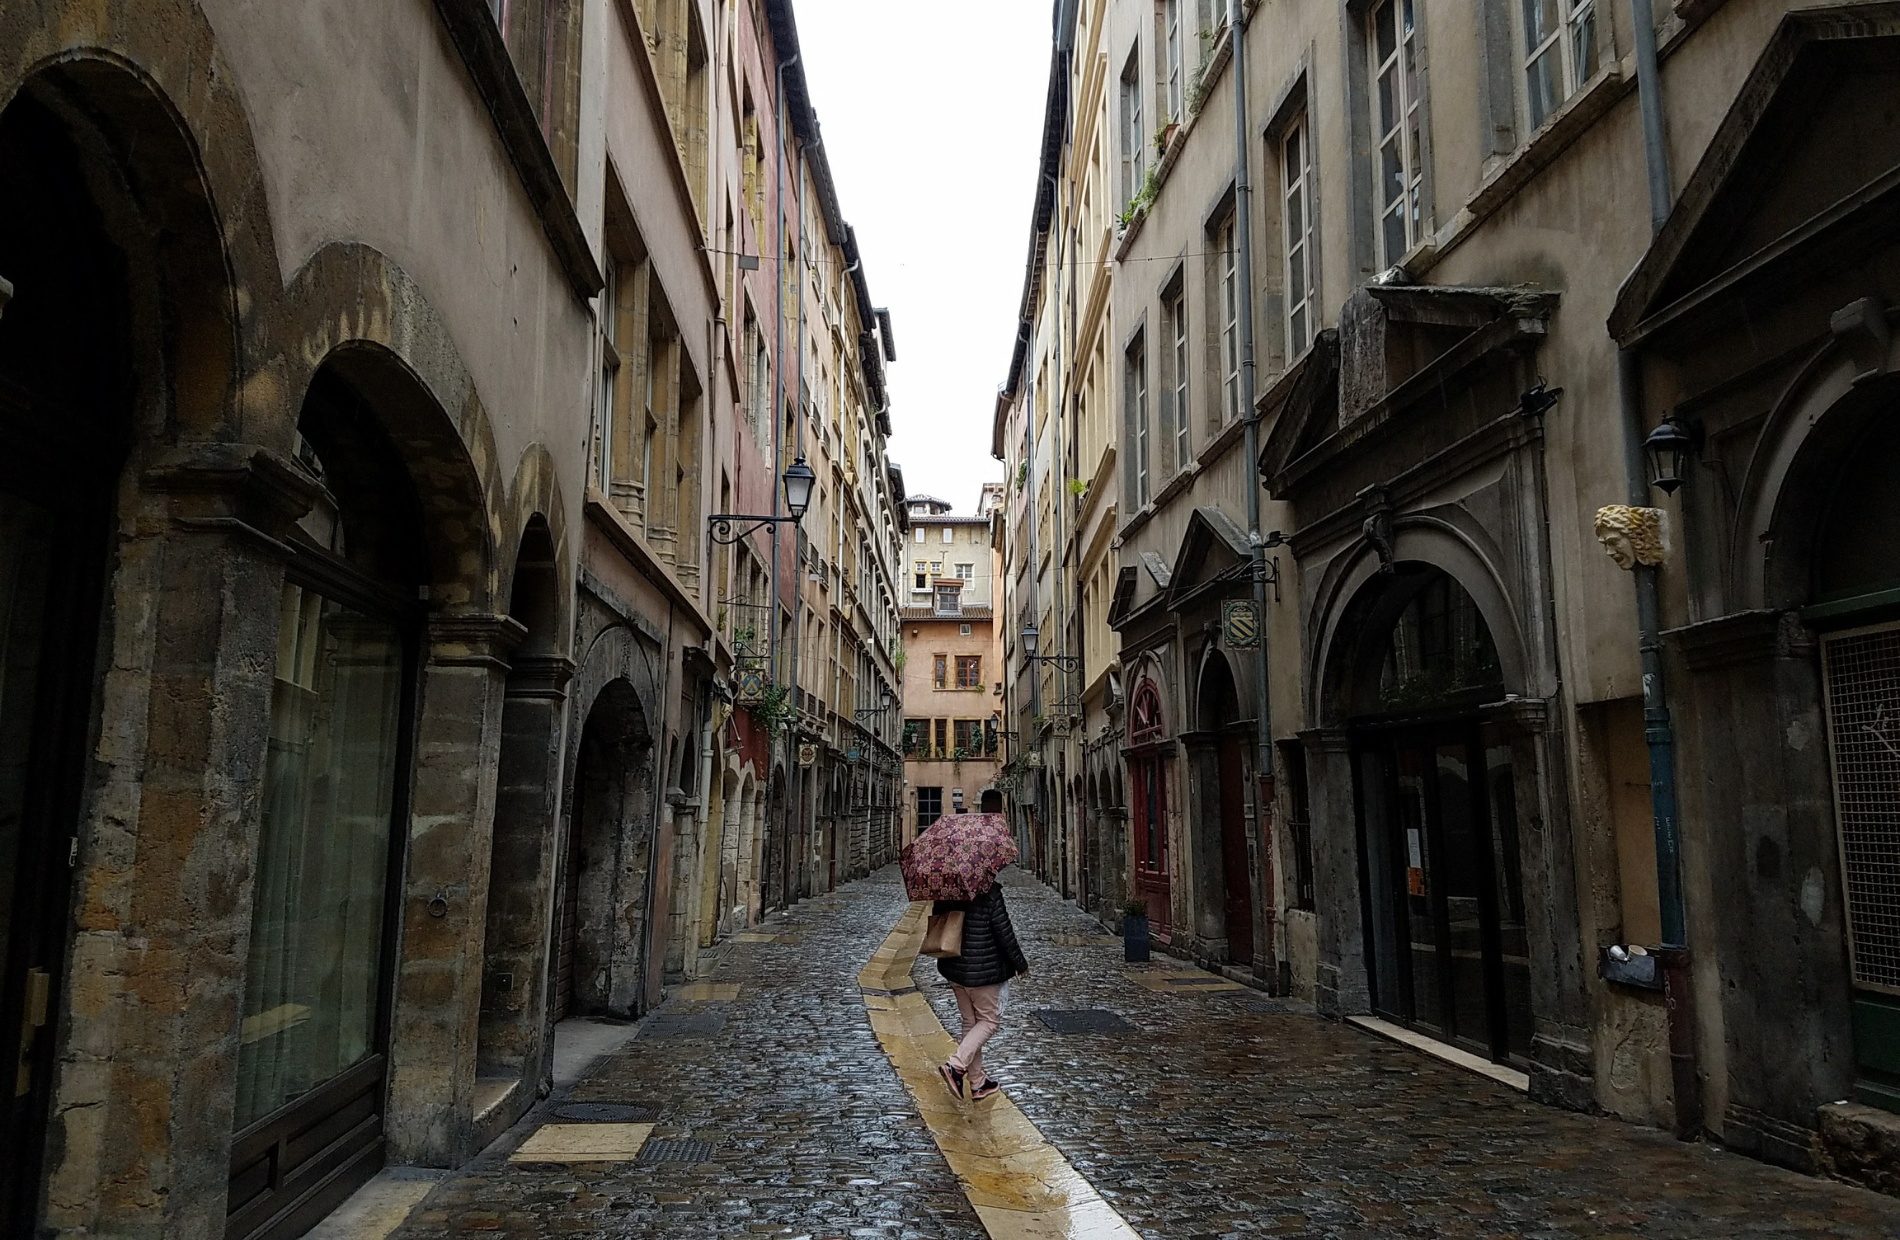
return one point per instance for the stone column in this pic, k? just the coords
(1340, 988)
(140, 1137)
(519, 920)
(433, 1043)
(1561, 1071)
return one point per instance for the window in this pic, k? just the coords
(949, 600)
(1228, 301)
(963, 630)
(1136, 387)
(942, 727)
(1296, 227)
(920, 534)
(1174, 311)
(1134, 141)
(966, 572)
(929, 806)
(920, 579)
(1171, 70)
(940, 672)
(949, 533)
(969, 736)
(1560, 52)
(916, 736)
(1396, 122)
(969, 671)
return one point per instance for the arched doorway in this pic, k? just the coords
(316, 1017)
(65, 420)
(1149, 748)
(514, 956)
(1216, 758)
(599, 969)
(1853, 568)
(1447, 944)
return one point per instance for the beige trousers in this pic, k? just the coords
(982, 1011)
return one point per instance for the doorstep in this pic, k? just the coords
(1520, 1081)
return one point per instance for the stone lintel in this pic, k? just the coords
(1744, 637)
(224, 485)
(540, 676)
(474, 640)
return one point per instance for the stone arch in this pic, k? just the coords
(535, 501)
(614, 785)
(1218, 859)
(351, 307)
(1817, 438)
(1358, 600)
(169, 140)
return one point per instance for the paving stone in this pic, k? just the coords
(1234, 1114)
(1224, 1114)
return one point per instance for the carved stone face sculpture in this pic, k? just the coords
(1632, 536)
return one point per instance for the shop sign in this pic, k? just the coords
(807, 754)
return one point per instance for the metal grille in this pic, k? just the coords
(1083, 1020)
(676, 1152)
(682, 1025)
(607, 1113)
(1863, 702)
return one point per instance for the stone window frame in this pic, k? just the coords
(1135, 416)
(1363, 215)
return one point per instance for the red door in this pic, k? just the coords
(1233, 839)
(1151, 842)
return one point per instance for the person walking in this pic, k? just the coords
(978, 977)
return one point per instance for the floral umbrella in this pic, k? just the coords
(957, 857)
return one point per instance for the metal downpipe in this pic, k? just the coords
(1263, 697)
(1658, 731)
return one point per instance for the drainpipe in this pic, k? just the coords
(1673, 952)
(1263, 697)
(778, 452)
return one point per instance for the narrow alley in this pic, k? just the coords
(1215, 1112)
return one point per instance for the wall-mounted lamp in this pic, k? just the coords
(798, 481)
(1671, 448)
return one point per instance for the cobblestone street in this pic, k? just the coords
(1219, 1113)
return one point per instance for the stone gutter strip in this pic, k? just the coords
(1020, 1186)
(1520, 1081)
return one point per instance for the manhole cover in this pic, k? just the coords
(1083, 1020)
(676, 1152)
(607, 1113)
(683, 1025)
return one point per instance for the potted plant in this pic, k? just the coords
(1135, 930)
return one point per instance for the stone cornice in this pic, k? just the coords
(474, 640)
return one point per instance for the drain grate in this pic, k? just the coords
(676, 1152)
(683, 1025)
(1083, 1020)
(607, 1113)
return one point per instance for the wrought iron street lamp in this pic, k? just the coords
(1671, 448)
(797, 480)
(1031, 637)
(885, 701)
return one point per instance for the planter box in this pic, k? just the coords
(1134, 938)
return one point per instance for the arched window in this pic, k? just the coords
(1145, 721)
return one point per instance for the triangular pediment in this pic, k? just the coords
(1811, 143)
(1213, 544)
(1303, 405)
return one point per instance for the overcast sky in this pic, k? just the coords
(932, 114)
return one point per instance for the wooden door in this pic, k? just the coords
(1150, 820)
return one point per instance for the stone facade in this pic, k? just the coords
(369, 382)
(1466, 317)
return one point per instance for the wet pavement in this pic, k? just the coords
(1218, 1112)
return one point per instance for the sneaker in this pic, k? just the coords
(953, 1078)
(985, 1090)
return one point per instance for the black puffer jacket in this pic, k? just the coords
(990, 952)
